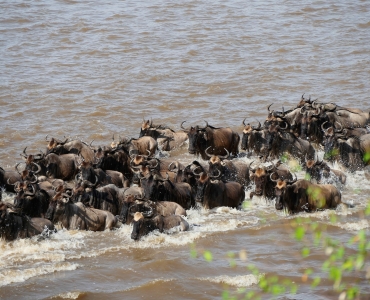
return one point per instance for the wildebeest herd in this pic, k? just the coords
(80, 186)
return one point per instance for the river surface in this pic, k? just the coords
(92, 69)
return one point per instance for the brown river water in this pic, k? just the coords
(96, 68)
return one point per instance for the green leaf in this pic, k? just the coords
(367, 211)
(299, 233)
(306, 251)
(308, 271)
(316, 282)
(277, 289)
(208, 256)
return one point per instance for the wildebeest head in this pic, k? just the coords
(147, 129)
(56, 146)
(247, 132)
(57, 206)
(216, 164)
(197, 136)
(142, 225)
(280, 189)
(316, 169)
(330, 142)
(260, 177)
(25, 194)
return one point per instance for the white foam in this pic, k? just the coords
(237, 281)
(69, 295)
(9, 276)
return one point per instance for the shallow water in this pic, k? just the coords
(93, 69)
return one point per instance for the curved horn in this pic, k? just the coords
(182, 126)
(341, 127)
(31, 193)
(197, 174)
(140, 198)
(322, 126)
(244, 121)
(302, 110)
(24, 154)
(149, 213)
(208, 154)
(268, 107)
(16, 168)
(35, 180)
(129, 153)
(175, 163)
(318, 113)
(8, 182)
(294, 180)
(38, 168)
(153, 167)
(259, 126)
(274, 180)
(271, 167)
(77, 177)
(250, 168)
(204, 126)
(91, 185)
(216, 176)
(225, 156)
(286, 126)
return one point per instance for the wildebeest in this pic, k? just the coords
(353, 153)
(87, 172)
(157, 188)
(281, 141)
(219, 139)
(322, 173)
(308, 196)
(107, 197)
(77, 216)
(261, 177)
(215, 193)
(167, 138)
(143, 146)
(14, 226)
(114, 159)
(254, 139)
(142, 226)
(30, 199)
(73, 147)
(8, 178)
(228, 170)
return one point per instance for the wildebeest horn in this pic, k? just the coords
(225, 156)
(133, 166)
(8, 182)
(208, 154)
(204, 126)
(89, 184)
(24, 154)
(302, 110)
(149, 213)
(216, 176)
(286, 126)
(16, 168)
(259, 126)
(197, 174)
(38, 168)
(182, 126)
(77, 177)
(250, 168)
(322, 126)
(268, 107)
(34, 181)
(140, 198)
(244, 121)
(156, 165)
(271, 167)
(31, 193)
(175, 163)
(274, 180)
(129, 153)
(294, 180)
(341, 127)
